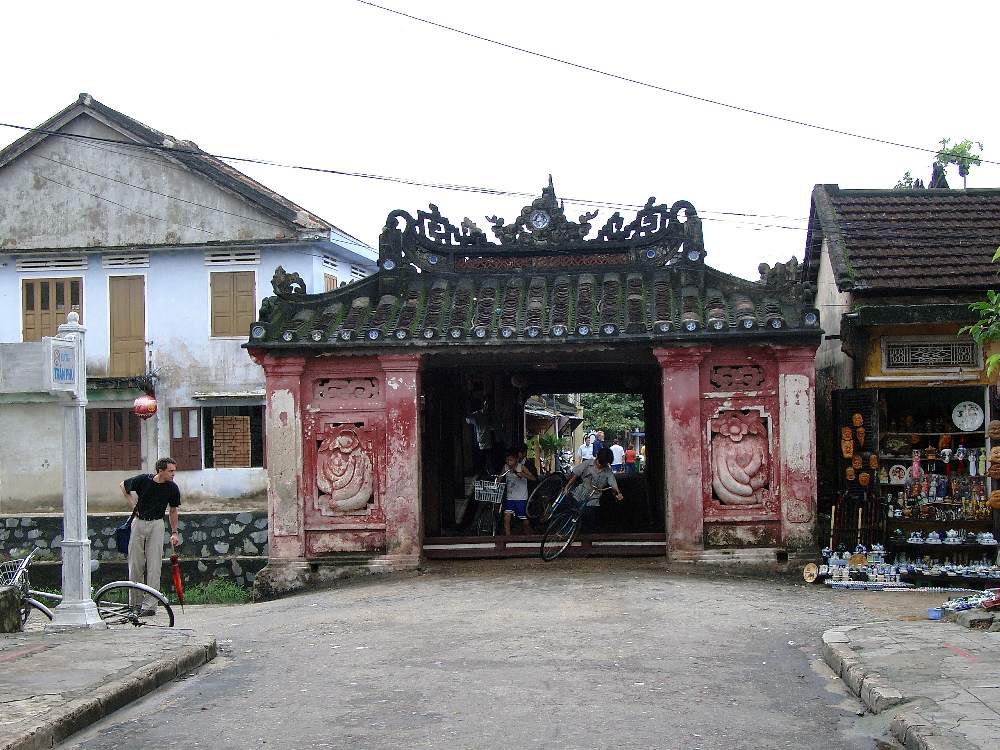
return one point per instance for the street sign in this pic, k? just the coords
(61, 369)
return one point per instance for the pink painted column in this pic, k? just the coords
(401, 490)
(684, 445)
(286, 568)
(797, 398)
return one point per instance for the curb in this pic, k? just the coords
(64, 721)
(878, 695)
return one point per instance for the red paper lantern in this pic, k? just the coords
(144, 407)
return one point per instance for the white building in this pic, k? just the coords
(166, 253)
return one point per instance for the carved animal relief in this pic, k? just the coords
(740, 463)
(344, 473)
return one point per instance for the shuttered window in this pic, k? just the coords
(45, 303)
(185, 438)
(233, 303)
(329, 282)
(113, 440)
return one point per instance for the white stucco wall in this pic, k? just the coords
(47, 198)
(832, 304)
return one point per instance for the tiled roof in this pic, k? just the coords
(439, 285)
(925, 239)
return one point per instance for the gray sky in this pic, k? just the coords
(344, 86)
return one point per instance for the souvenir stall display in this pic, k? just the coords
(915, 500)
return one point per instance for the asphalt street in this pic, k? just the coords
(516, 654)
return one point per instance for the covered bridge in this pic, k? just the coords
(369, 386)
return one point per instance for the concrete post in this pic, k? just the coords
(796, 389)
(683, 446)
(77, 609)
(401, 496)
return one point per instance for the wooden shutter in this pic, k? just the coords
(113, 440)
(329, 282)
(233, 303)
(45, 303)
(185, 438)
(128, 326)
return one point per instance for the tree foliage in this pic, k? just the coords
(960, 154)
(615, 413)
(987, 329)
(905, 182)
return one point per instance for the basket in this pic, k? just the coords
(9, 570)
(490, 491)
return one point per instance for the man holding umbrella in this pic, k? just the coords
(155, 492)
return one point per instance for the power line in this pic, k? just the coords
(121, 205)
(871, 229)
(172, 150)
(656, 87)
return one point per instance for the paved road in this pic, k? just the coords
(515, 654)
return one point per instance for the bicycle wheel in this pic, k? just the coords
(543, 495)
(114, 608)
(28, 604)
(559, 534)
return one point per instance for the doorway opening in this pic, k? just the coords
(477, 412)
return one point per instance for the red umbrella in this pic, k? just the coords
(175, 570)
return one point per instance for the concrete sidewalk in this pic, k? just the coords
(939, 680)
(54, 684)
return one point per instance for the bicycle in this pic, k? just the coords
(112, 599)
(544, 495)
(489, 498)
(565, 514)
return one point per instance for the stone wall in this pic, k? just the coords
(213, 545)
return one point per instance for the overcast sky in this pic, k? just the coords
(345, 86)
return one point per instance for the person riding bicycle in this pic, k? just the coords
(593, 474)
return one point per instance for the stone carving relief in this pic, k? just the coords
(346, 389)
(344, 472)
(740, 462)
(736, 378)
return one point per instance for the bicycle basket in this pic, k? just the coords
(9, 570)
(490, 491)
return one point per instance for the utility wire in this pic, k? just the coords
(173, 150)
(869, 229)
(656, 87)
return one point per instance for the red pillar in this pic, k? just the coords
(401, 496)
(286, 568)
(797, 396)
(684, 444)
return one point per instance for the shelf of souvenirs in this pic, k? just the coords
(977, 522)
(976, 433)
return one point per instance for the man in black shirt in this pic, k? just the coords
(156, 492)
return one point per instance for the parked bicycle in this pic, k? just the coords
(489, 495)
(112, 600)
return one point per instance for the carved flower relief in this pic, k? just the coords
(740, 461)
(344, 474)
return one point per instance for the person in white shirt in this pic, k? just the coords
(618, 457)
(586, 451)
(516, 502)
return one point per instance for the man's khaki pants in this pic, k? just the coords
(145, 557)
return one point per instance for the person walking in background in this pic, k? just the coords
(598, 441)
(630, 457)
(617, 457)
(155, 493)
(586, 451)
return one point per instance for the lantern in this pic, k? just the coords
(144, 407)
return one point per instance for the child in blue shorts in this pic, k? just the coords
(516, 502)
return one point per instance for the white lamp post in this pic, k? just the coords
(77, 609)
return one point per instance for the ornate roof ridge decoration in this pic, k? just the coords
(542, 226)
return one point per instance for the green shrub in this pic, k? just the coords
(218, 591)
